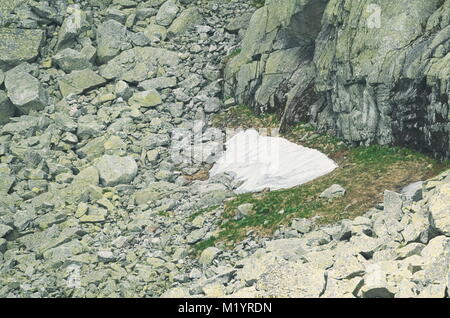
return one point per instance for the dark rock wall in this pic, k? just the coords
(376, 72)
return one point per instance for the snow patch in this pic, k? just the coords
(261, 162)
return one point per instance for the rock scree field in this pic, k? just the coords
(114, 112)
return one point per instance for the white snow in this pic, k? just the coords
(262, 162)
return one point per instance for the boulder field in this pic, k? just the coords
(94, 97)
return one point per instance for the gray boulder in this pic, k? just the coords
(19, 45)
(111, 40)
(25, 91)
(136, 64)
(150, 98)
(79, 82)
(334, 191)
(186, 20)
(70, 60)
(439, 207)
(212, 105)
(114, 170)
(72, 26)
(208, 255)
(413, 191)
(167, 13)
(7, 109)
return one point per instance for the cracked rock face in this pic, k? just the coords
(370, 73)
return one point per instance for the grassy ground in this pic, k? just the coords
(365, 172)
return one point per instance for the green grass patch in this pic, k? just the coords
(365, 172)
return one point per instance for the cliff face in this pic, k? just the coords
(368, 71)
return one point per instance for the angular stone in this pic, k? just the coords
(19, 45)
(105, 256)
(439, 207)
(346, 288)
(347, 267)
(208, 255)
(79, 82)
(136, 64)
(334, 191)
(245, 209)
(212, 105)
(150, 98)
(4, 230)
(114, 170)
(410, 250)
(413, 191)
(6, 182)
(393, 203)
(196, 236)
(167, 13)
(154, 192)
(418, 230)
(289, 279)
(302, 225)
(376, 283)
(187, 19)
(72, 26)
(25, 91)
(7, 109)
(111, 40)
(255, 266)
(70, 60)
(159, 83)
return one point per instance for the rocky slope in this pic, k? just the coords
(93, 97)
(399, 249)
(370, 72)
(92, 203)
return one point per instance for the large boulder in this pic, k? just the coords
(25, 91)
(187, 19)
(70, 60)
(111, 40)
(439, 205)
(137, 64)
(114, 170)
(7, 109)
(79, 82)
(76, 23)
(19, 45)
(167, 13)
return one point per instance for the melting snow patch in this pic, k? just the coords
(260, 162)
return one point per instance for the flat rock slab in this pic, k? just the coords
(79, 82)
(25, 91)
(135, 65)
(7, 109)
(18, 45)
(114, 170)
